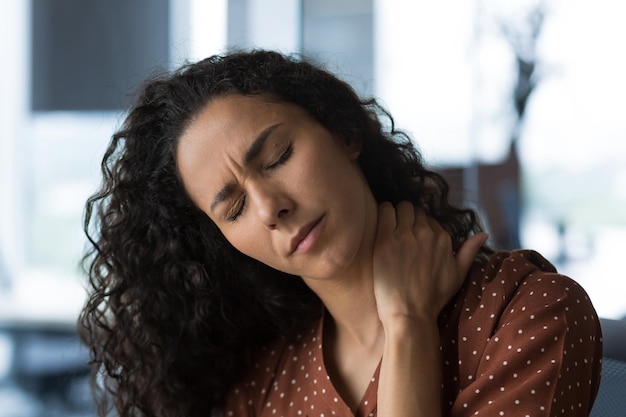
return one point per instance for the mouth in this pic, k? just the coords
(306, 237)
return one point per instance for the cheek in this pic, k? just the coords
(249, 241)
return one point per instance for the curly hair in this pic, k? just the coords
(174, 312)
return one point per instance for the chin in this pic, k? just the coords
(335, 265)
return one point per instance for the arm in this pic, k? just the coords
(410, 373)
(415, 275)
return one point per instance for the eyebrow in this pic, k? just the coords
(253, 151)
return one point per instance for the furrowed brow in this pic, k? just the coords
(253, 151)
(222, 195)
(256, 147)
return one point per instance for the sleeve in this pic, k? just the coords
(544, 357)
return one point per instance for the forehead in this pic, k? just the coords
(219, 135)
(233, 117)
(236, 120)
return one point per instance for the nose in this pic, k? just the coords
(271, 204)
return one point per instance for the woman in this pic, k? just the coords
(264, 245)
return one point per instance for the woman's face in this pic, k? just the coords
(279, 186)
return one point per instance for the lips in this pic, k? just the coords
(305, 237)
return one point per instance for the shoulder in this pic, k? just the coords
(511, 266)
(522, 287)
(244, 397)
(274, 366)
(526, 274)
(525, 333)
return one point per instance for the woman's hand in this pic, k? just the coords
(415, 275)
(415, 270)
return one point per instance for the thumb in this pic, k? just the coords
(467, 252)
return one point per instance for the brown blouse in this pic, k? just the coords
(517, 340)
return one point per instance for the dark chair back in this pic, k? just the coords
(611, 399)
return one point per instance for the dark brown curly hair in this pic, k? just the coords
(174, 311)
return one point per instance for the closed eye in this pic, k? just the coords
(236, 210)
(283, 157)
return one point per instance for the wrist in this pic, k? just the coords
(410, 373)
(403, 329)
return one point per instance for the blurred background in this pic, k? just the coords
(520, 104)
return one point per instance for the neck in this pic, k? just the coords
(349, 296)
(353, 339)
(351, 305)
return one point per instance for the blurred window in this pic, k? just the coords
(449, 73)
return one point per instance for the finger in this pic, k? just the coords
(431, 227)
(405, 216)
(434, 224)
(468, 251)
(421, 219)
(386, 218)
(440, 234)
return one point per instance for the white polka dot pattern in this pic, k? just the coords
(290, 379)
(517, 340)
